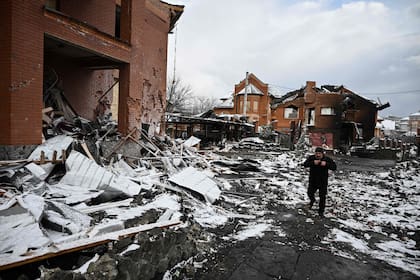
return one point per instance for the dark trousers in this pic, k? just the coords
(322, 196)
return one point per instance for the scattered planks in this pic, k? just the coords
(54, 159)
(78, 245)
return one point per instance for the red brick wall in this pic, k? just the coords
(81, 86)
(5, 63)
(142, 70)
(154, 68)
(263, 114)
(24, 79)
(98, 13)
(327, 100)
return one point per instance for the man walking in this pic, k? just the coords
(319, 164)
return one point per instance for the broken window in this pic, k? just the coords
(291, 113)
(118, 21)
(52, 4)
(310, 119)
(327, 111)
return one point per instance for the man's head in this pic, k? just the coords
(319, 153)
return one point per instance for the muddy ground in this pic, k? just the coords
(298, 251)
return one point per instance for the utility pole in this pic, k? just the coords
(246, 93)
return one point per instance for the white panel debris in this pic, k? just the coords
(81, 171)
(197, 181)
(26, 228)
(191, 142)
(55, 144)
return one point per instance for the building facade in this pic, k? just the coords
(250, 99)
(332, 116)
(84, 48)
(414, 124)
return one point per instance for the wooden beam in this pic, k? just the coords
(78, 245)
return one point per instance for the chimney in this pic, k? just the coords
(309, 86)
(310, 92)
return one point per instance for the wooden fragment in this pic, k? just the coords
(92, 242)
(86, 149)
(47, 110)
(141, 145)
(46, 119)
(122, 141)
(42, 159)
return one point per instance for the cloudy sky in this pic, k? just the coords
(371, 47)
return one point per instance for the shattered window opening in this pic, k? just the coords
(327, 111)
(291, 113)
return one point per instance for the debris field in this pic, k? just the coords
(119, 208)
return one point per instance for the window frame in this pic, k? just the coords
(330, 113)
(294, 116)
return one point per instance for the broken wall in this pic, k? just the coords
(155, 27)
(88, 27)
(81, 86)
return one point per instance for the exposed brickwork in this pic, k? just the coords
(332, 125)
(5, 70)
(140, 56)
(154, 68)
(103, 17)
(260, 116)
(22, 84)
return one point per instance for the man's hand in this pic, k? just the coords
(317, 161)
(323, 163)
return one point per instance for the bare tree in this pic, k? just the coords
(178, 95)
(202, 104)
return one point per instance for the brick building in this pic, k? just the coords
(332, 116)
(255, 94)
(84, 48)
(414, 124)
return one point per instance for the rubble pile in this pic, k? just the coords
(87, 187)
(255, 143)
(90, 205)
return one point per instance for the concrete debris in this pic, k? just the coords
(92, 204)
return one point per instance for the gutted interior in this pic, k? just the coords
(86, 59)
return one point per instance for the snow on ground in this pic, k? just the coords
(376, 214)
(386, 204)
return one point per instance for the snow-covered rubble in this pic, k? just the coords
(368, 213)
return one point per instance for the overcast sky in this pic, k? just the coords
(371, 47)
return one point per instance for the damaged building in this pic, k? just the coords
(79, 58)
(207, 127)
(255, 94)
(332, 116)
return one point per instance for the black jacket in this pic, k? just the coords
(318, 175)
